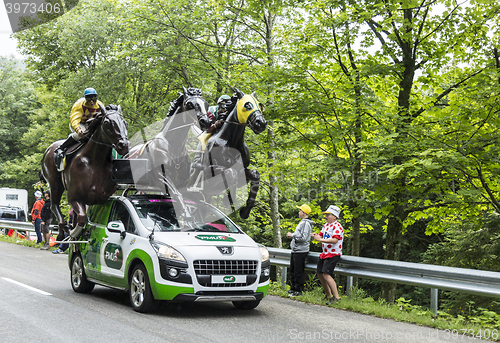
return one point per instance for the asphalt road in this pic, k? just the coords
(37, 304)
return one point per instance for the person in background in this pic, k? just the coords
(64, 246)
(331, 238)
(46, 217)
(35, 215)
(300, 248)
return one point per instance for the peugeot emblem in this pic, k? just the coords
(226, 250)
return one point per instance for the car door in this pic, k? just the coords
(121, 235)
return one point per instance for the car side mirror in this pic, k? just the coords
(117, 227)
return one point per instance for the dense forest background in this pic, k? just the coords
(388, 109)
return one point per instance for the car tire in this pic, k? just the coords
(141, 297)
(246, 305)
(79, 280)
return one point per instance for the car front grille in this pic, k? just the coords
(225, 267)
(204, 269)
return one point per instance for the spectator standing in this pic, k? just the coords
(35, 215)
(64, 246)
(300, 248)
(46, 216)
(331, 238)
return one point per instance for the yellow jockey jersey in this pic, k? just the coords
(80, 112)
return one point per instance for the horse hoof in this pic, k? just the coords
(244, 212)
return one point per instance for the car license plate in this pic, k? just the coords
(229, 278)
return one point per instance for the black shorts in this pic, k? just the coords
(327, 265)
(45, 228)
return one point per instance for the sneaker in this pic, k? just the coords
(290, 291)
(57, 251)
(331, 301)
(45, 247)
(296, 294)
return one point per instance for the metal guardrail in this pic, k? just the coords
(480, 282)
(22, 226)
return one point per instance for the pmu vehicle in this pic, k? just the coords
(137, 243)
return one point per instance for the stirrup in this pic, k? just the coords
(60, 160)
(76, 232)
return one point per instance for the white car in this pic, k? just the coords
(157, 249)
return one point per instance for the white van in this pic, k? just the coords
(13, 204)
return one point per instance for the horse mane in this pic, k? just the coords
(176, 104)
(94, 124)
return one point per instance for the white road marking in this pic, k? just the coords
(26, 286)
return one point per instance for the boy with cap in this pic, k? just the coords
(331, 237)
(300, 248)
(35, 215)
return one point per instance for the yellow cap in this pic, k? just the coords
(305, 208)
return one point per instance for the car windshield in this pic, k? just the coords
(162, 215)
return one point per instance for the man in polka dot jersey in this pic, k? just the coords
(332, 239)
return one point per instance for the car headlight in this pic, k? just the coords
(264, 253)
(167, 252)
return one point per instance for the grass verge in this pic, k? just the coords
(483, 327)
(22, 241)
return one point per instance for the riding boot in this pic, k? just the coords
(60, 151)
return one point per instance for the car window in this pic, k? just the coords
(161, 215)
(8, 215)
(120, 212)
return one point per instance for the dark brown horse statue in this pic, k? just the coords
(166, 153)
(87, 175)
(221, 163)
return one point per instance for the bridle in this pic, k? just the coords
(101, 127)
(198, 98)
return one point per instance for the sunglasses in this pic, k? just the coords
(91, 98)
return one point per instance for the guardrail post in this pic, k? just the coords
(283, 277)
(349, 284)
(434, 300)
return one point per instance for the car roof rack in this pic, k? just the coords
(128, 188)
(11, 207)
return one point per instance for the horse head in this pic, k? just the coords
(191, 103)
(114, 128)
(249, 111)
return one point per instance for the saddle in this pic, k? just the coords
(61, 163)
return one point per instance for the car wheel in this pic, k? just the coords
(246, 305)
(79, 280)
(141, 297)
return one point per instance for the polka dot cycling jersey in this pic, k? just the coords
(332, 230)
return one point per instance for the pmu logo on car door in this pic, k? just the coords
(113, 256)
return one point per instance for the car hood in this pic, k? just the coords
(204, 239)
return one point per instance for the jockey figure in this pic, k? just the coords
(218, 114)
(84, 109)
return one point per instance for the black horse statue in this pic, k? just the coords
(87, 175)
(167, 153)
(221, 163)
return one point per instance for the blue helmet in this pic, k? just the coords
(89, 91)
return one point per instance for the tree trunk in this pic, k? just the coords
(393, 240)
